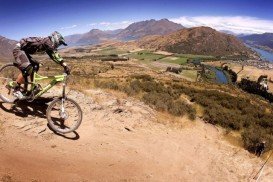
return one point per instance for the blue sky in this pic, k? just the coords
(21, 18)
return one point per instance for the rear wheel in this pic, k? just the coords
(8, 76)
(64, 115)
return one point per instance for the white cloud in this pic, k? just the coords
(92, 24)
(105, 23)
(73, 26)
(236, 24)
(111, 25)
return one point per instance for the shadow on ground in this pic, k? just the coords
(36, 108)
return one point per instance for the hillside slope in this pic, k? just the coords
(121, 138)
(112, 146)
(198, 40)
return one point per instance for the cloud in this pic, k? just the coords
(70, 27)
(111, 25)
(236, 24)
(105, 23)
(92, 24)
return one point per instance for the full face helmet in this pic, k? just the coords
(58, 39)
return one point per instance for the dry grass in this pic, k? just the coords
(234, 138)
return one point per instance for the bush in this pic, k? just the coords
(234, 113)
(248, 115)
(254, 135)
(107, 84)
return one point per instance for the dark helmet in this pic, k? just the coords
(58, 39)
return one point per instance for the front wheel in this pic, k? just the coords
(64, 115)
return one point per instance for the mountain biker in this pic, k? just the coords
(33, 45)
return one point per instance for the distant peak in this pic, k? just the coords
(164, 19)
(95, 30)
(202, 28)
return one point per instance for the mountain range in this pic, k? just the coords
(264, 41)
(197, 40)
(132, 32)
(164, 35)
(6, 47)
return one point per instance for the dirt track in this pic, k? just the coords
(128, 144)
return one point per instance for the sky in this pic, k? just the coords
(23, 18)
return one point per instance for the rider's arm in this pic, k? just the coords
(55, 56)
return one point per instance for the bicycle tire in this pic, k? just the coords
(3, 96)
(54, 126)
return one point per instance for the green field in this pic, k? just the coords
(192, 56)
(174, 60)
(146, 55)
(192, 74)
(111, 50)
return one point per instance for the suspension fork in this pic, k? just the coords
(64, 87)
(63, 94)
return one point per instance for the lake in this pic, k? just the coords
(264, 54)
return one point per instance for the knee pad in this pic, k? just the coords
(27, 71)
(36, 67)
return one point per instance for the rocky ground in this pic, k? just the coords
(120, 139)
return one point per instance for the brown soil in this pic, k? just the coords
(120, 139)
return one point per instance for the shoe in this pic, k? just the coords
(18, 94)
(12, 85)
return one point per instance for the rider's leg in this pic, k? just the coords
(23, 76)
(23, 63)
(35, 68)
(20, 79)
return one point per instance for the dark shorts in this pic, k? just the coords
(21, 59)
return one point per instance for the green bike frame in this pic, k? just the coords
(54, 80)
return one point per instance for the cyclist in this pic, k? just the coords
(33, 45)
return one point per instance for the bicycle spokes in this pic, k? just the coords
(64, 115)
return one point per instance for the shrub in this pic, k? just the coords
(254, 135)
(107, 84)
(248, 115)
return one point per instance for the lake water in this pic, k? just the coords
(264, 54)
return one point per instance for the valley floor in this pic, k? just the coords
(136, 144)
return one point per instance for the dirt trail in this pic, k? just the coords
(120, 139)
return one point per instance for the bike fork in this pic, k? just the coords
(62, 109)
(63, 113)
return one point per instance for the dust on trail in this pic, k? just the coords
(120, 139)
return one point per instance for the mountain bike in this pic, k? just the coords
(63, 114)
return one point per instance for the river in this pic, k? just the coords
(219, 74)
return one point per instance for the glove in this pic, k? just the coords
(66, 68)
